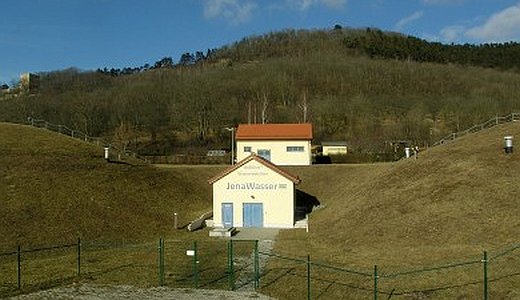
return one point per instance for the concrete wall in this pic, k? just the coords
(255, 183)
(279, 154)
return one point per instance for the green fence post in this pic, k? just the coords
(308, 277)
(195, 267)
(79, 257)
(161, 262)
(485, 261)
(231, 271)
(257, 267)
(375, 282)
(19, 267)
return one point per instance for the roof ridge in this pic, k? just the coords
(259, 159)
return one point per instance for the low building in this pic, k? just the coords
(334, 148)
(254, 193)
(281, 144)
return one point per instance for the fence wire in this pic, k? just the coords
(238, 265)
(449, 281)
(488, 124)
(333, 282)
(504, 274)
(115, 153)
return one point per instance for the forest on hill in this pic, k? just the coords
(365, 86)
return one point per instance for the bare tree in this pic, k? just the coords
(123, 135)
(304, 107)
(265, 106)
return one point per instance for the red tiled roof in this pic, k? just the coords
(274, 131)
(259, 159)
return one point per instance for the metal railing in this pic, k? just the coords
(77, 134)
(488, 124)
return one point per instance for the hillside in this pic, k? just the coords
(457, 198)
(451, 203)
(460, 194)
(366, 99)
(54, 189)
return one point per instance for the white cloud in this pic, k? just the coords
(233, 11)
(500, 27)
(452, 33)
(306, 4)
(407, 20)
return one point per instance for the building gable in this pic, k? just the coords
(252, 165)
(254, 193)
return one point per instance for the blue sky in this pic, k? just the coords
(47, 35)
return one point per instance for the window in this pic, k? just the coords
(265, 153)
(294, 148)
(247, 149)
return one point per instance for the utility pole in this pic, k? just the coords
(232, 131)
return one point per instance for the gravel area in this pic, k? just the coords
(120, 292)
(266, 238)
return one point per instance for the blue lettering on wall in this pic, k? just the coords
(254, 186)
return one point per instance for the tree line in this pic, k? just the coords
(186, 59)
(376, 43)
(369, 102)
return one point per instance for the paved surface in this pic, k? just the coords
(261, 234)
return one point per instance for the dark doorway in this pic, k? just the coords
(304, 204)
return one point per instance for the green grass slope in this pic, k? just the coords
(54, 189)
(456, 200)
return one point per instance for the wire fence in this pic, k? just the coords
(513, 117)
(239, 265)
(114, 152)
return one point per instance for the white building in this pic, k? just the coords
(254, 193)
(281, 144)
(334, 148)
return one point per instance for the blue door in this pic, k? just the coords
(227, 215)
(253, 215)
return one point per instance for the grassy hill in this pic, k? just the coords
(451, 203)
(462, 194)
(54, 188)
(457, 198)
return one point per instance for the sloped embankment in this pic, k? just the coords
(457, 198)
(54, 189)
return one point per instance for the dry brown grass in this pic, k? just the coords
(449, 205)
(54, 189)
(456, 199)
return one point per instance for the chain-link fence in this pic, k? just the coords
(239, 265)
(34, 269)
